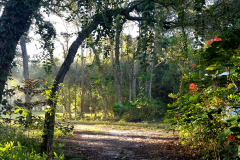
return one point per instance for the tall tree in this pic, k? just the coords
(75, 90)
(100, 83)
(26, 76)
(15, 20)
(82, 81)
(25, 65)
(117, 61)
(112, 58)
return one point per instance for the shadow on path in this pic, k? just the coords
(109, 144)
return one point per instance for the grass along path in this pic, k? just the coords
(132, 141)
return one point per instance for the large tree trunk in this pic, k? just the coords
(118, 75)
(15, 20)
(50, 116)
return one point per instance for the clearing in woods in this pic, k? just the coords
(129, 141)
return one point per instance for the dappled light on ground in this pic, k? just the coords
(102, 142)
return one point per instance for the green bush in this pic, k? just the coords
(10, 152)
(201, 113)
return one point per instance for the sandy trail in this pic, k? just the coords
(93, 142)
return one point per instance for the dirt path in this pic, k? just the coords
(94, 142)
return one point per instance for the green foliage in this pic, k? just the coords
(10, 152)
(64, 127)
(201, 112)
(142, 109)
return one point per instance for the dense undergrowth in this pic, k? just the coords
(206, 112)
(18, 142)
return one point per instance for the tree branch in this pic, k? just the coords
(85, 33)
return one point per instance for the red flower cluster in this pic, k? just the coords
(230, 138)
(193, 86)
(193, 65)
(215, 38)
(178, 116)
(209, 42)
(43, 80)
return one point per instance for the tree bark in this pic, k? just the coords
(69, 97)
(130, 86)
(130, 74)
(135, 66)
(150, 84)
(76, 91)
(82, 83)
(112, 60)
(121, 54)
(119, 77)
(26, 77)
(15, 20)
(151, 64)
(63, 103)
(25, 65)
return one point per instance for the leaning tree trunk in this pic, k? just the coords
(14, 22)
(50, 116)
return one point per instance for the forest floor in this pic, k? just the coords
(114, 141)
